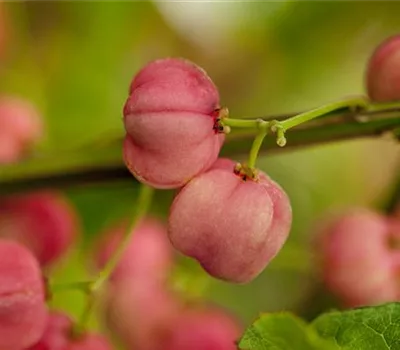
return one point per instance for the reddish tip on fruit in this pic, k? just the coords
(234, 228)
(169, 118)
(23, 313)
(147, 257)
(359, 264)
(45, 222)
(383, 73)
(203, 330)
(20, 128)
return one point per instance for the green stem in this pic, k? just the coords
(350, 103)
(255, 148)
(84, 286)
(241, 123)
(141, 208)
(102, 166)
(384, 106)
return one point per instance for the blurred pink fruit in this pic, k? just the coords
(203, 330)
(359, 264)
(148, 256)
(234, 228)
(169, 119)
(140, 313)
(383, 73)
(58, 336)
(23, 312)
(20, 128)
(43, 221)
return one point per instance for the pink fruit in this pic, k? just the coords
(23, 313)
(231, 226)
(169, 119)
(359, 264)
(383, 73)
(57, 333)
(43, 221)
(89, 342)
(203, 330)
(140, 313)
(20, 128)
(58, 336)
(147, 257)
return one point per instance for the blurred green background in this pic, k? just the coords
(75, 60)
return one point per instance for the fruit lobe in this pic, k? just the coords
(234, 228)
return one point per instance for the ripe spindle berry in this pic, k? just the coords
(359, 263)
(231, 223)
(203, 330)
(383, 73)
(23, 312)
(170, 119)
(147, 257)
(43, 221)
(20, 128)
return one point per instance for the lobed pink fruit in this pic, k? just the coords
(359, 265)
(23, 313)
(20, 128)
(140, 313)
(234, 228)
(383, 73)
(58, 336)
(45, 222)
(169, 118)
(148, 256)
(203, 330)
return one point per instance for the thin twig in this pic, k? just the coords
(97, 165)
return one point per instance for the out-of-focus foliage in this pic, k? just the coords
(75, 61)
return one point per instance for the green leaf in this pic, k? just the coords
(282, 331)
(368, 328)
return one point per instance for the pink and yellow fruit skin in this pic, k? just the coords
(43, 221)
(169, 120)
(359, 265)
(148, 256)
(383, 73)
(203, 330)
(234, 228)
(23, 313)
(20, 128)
